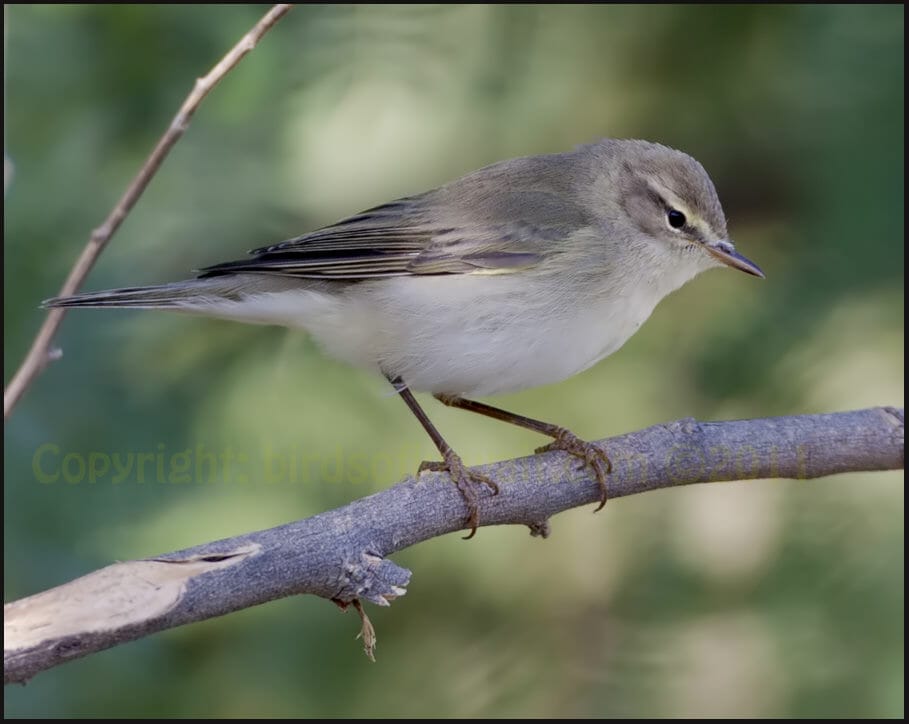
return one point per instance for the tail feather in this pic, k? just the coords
(165, 296)
(250, 298)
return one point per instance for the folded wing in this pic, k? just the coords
(427, 234)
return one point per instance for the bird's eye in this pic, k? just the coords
(675, 218)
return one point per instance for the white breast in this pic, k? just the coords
(479, 335)
(471, 335)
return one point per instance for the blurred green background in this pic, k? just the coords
(757, 598)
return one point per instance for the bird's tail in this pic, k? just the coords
(184, 295)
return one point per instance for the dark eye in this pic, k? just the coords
(675, 218)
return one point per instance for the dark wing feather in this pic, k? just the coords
(403, 238)
(375, 243)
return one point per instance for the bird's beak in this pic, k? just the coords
(725, 253)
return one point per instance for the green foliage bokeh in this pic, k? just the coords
(776, 598)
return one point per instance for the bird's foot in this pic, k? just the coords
(466, 480)
(587, 452)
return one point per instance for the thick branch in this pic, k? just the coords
(41, 353)
(341, 554)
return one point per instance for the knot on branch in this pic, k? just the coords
(540, 528)
(369, 576)
(686, 426)
(898, 415)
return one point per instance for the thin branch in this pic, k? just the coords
(341, 555)
(41, 353)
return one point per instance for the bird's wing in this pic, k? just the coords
(424, 234)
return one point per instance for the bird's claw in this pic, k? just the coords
(466, 481)
(587, 452)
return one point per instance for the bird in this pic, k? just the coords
(520, 274)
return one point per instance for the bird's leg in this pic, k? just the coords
(563, 439)
(451, 462)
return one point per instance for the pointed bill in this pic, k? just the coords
(724, 252)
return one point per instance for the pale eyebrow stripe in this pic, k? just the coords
(667, 198)
(694, 223)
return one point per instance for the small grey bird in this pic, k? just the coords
(520, 274)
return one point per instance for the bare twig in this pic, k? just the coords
(341, 554)
(40, 353)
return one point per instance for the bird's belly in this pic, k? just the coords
(462, 335)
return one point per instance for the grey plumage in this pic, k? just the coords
(520, 274)
(454, 290)
(505, 216)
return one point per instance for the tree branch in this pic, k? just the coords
(41, 353)
(341, 554)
